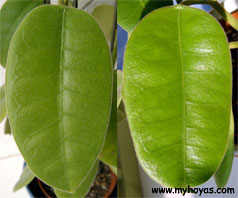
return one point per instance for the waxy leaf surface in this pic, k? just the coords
(130, 12)
(59, 84)
(224, 171)
(11, 15)
(177, 94)
(83, 188)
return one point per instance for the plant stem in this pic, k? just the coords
(114, 52)
(114, 28)
(87, 4)
(75, 3)
(70, 4)
(233, 45)
(61, 2)
(66, 2)
(46, 1)
(218, 7)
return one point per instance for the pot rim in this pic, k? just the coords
(111, 187)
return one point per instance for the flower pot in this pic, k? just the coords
(39, 189)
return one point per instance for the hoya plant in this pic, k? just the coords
(59, 94)
(177, 88)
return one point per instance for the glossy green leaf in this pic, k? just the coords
(177, 94)
(104, 15)
(83, 188)
(59, 82)
(12, 13)
(119, 87)
(3, 111)
(109, 151)
(218, 7)
(130, 12)
(223, 173)
(7, 128)
(26, 177)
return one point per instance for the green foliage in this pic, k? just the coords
(218, 7)
(104, 15)
(177, 94)
(26, 177)
(109, 152)
(129, 184)
(7, 128)
(224, 171)
(130, 12)
(12, 13)
(83, 188)
(3, 110)
(58, 88)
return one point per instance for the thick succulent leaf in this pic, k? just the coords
(7, 128)
(25, 178)
(223, 173)
(119, 87)
(12, 13)
(3, 111)
(130, 12)
(177, 94)
(83, 188)
(59, 82)
(104, 15)
(109, 151)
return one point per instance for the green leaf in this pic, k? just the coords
(129, 184)
(12, 13)
(26, 177)
(109, 152)
(104, 15)
(177, 94)
(119, 87)
(59, 82)
(113, 169)
(3, 111)
(219, 9)
(83, 188)
(130, 12)
(7, 128)
(223, 173)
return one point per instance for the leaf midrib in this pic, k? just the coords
(60, 111)
(183, 135)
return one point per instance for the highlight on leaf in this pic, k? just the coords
(172, 116)
(59, 92)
